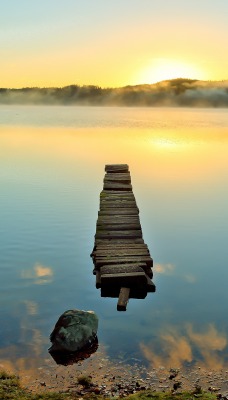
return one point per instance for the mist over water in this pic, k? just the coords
(171, 93)
(51, 171)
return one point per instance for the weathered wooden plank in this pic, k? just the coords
(102, 234)
(100, 261)
(115, 193)
(112, 199)
(116, 168)
(124, 268)
(121, 252)
(120, 180)
(121, 246)
(119, 241)
(118, 204)
(127, 265)
(118, 174)
(118, 249)
(119, 227)
(112, 220)
(117, 186)
(118, 199)
(118, 218)
(119, 211)
(119, 177)
(123, 299)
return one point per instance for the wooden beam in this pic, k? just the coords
(123, 299)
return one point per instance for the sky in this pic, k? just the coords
(111, 43)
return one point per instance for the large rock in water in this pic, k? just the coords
(74, 330)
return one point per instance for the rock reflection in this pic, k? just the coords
(70, 358)
(175, 349)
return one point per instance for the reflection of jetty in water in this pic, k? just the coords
(122, 261)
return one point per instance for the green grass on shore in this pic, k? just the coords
(10, 389)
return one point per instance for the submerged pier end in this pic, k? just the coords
(122, 261)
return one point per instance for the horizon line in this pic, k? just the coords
(117, 87)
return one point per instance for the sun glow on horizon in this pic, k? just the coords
(165, 69)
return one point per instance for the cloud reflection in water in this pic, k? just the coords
(176, 349)
(39, 274)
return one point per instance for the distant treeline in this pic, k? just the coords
(175, 92)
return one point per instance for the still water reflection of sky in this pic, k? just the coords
(51, 170)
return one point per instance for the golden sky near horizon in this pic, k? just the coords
(111, 44)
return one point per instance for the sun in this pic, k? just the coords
(165, 69)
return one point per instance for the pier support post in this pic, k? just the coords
(123, 299)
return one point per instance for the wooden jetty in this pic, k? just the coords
(122, 261)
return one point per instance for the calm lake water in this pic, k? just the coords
(51, 173)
